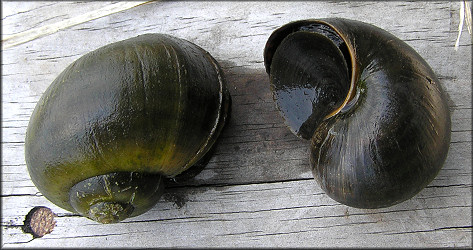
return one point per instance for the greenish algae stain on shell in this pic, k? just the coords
(149, 104)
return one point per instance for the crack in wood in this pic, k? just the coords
(226, 185)
(240, 233)
(18, 242)
(432, 230)
(88, 236)
(162, 220)
(374, 213)
(26, 11)
(15, 195)
(450, 185)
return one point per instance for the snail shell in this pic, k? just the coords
(375, 112)
(119, 119)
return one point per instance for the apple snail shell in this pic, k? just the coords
(375, 112)
(119, 119)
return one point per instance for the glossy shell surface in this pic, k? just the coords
(149, 105)
(375, 112)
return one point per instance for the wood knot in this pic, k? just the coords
(39, 221)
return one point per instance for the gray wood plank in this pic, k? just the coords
(257, 190)
(274, 214)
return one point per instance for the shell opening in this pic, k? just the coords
(310, 77)
(332, 34)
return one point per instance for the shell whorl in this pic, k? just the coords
(389, 135)
(153, 104)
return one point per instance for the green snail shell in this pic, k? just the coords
(119, 119)
(374, 110)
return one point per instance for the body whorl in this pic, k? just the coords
(388, 135)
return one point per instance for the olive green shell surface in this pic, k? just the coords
(152, 104)
(387, 137)
(113, 197)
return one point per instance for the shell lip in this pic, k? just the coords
(354, 71)
(278, 35)
(220, 119)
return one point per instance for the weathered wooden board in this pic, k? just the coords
(257, 190)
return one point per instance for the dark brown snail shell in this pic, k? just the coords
(374, 110)
(119, 119)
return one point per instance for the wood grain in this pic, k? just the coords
(257, 190)
(46, 29)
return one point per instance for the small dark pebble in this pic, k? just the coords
(39, 221)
